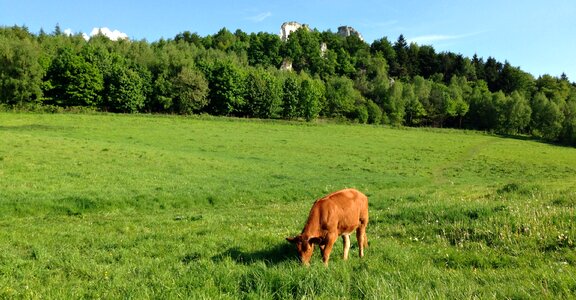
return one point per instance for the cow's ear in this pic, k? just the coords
(315, 240)
(293, 240)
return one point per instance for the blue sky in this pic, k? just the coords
(537, 36)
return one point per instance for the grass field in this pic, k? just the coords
(114, 206)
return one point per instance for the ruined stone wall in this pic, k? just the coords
(348, 31)
(287, 28)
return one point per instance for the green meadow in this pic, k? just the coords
(166, 207)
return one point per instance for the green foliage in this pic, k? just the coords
(483, 110)
(374, 113)
(514, 113)
(227, 84)
(344, 64)
(236, 74)
(401, 68)
(376, 80)
(414, 110)
(568, 134)
(547, 118)
(264, 50)
(190, 91)
(263, 94)
(125, 88)
(442, 105)
(513, 79)
(20, 70)
(223, 40)
(361, 114)
(290, 98)
(311, 97)
(162, 91)
(457, 90)
(71, 80)
(191, 38)
(394, 106)
(303, 49)
(341, 97)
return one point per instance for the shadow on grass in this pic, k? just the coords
(561, 143)
(272, 256)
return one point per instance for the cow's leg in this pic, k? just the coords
(362, 239)
(329, 242)
(346, 240)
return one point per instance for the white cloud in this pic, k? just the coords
(113, 35)
(429, 39)
(260, 17)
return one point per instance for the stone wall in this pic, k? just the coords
(287, 28)
(348, 31)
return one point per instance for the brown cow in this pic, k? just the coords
(337, 214)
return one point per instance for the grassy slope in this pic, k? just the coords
(138, 206)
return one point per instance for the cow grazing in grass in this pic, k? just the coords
(334, 215)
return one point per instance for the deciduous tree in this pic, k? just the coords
(311, 96)
(227, 86)
(290, 90)
(20, 71)
(263, 94)
(73, 81)
(189, 91)
(341, 97)
(124, 88)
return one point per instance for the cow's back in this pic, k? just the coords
(344, 209)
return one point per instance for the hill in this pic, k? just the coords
(118, 206)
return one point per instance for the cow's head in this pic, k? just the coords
(305, 247)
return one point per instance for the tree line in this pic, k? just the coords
(244, 75)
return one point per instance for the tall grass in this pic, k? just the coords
(112, 206)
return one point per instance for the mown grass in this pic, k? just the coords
(112, 206)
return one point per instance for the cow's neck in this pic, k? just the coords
(312, 227)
